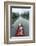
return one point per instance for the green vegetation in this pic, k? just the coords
(15, 16)
(25, 15)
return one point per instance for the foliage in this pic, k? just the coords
(15, 16)
(25, 15)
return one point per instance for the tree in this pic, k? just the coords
(14, 16)
(25, 15)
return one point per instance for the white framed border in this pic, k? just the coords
(30, 37)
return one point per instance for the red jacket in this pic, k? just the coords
(20, 31)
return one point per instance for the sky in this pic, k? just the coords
(20, 10)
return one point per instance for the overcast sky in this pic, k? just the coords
(20, 10)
